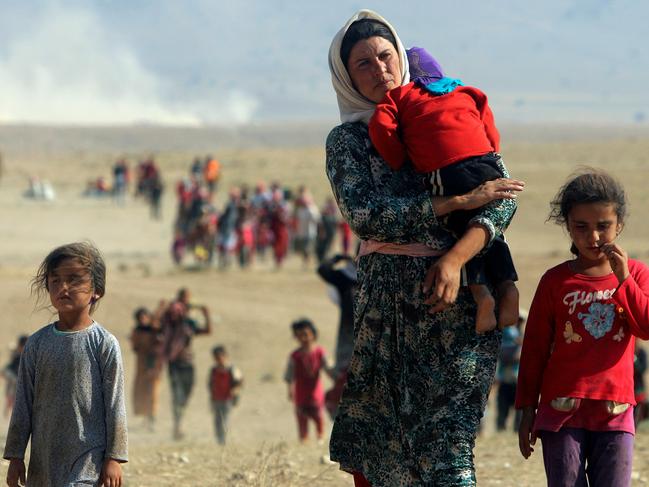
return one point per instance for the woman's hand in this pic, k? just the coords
(498, 189)
(16, 472)
(618, 259)
(111, 474)
(442, 281)
(526, 434)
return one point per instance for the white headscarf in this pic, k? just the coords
(353, 106)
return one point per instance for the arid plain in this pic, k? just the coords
(253, 308)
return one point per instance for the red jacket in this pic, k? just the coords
(580, 336)
(303, 373)
(432, 131)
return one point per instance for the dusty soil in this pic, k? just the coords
(255, 307)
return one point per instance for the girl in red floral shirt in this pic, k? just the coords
(575, 384)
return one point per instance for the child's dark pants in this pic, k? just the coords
(575, 457)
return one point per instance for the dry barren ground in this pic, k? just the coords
(255, 307)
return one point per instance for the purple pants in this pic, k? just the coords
(573, 455)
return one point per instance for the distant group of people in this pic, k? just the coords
(252, 223)
(164, 336)
(147, 179)
(160, 338)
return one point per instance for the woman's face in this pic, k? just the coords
(374, 67)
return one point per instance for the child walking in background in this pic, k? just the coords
(303, 378)
(70, 392)
(225, 383)
(639, 388)
(507, 373)
(447, 129)
(10, 374)
(146, 341)
(575, 383)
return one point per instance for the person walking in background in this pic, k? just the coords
(156, 188)
(146, 340)
(340, 273)
(196, 170)
(70, 392)
(211, 175)
(227, 228)
(326, 229)
(279, 221)
(245, 225)
(306, 217)
(10, 374)
(178, 330)
(641, 409)
(303, 378)
(120, 181)
(575, 383)
(224, 385)
(260, 205)
(507, 373)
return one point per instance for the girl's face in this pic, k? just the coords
(70, 287)
(591, 225)
(304, 336)
(374, 67)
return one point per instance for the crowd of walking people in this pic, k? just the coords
(252, 222)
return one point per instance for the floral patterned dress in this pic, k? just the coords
(418, 383)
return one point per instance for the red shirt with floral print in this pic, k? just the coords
(580, 336)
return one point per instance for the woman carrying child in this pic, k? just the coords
(419, 374)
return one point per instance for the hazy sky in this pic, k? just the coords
(211, 61)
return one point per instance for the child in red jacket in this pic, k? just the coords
(225, 383)
(575, 382)
(448, 130)
(303, 378)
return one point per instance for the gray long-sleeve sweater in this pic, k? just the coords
(70, 400)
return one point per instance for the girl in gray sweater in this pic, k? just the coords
(70, 391)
